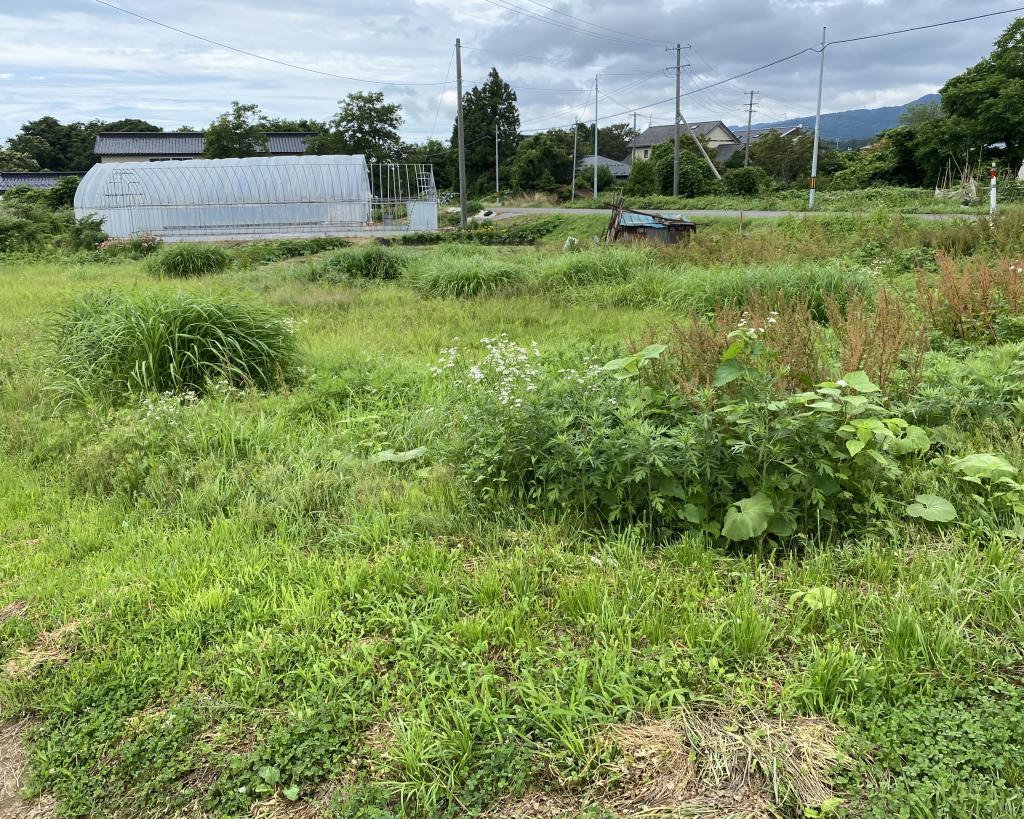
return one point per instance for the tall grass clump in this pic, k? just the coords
(374, 262)
(110, 345)
(703, 290)
(183, 261)
(457, 275)
(598, 266)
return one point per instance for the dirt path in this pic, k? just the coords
(14, 776)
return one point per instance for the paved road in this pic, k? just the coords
(697, 215)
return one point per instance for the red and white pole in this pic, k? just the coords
(992, 192)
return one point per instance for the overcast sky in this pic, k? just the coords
(79, 60)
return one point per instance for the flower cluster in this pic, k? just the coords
(166, 407)
(507, 368)
(143, 244)
(750, 325)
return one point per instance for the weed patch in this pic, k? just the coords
(184, 261)
(107, 345)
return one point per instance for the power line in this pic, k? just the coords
(254, 54)
(541, 58)
(440, 97)
(595, 25)
(922, 28)
(509, 6)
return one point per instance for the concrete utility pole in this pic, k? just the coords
(462, 134)
(750, 117)
(992, 192)
(595, 136)
(632, 147)
(817, 124)
(675, 155)
(575, 137)
(497, 186)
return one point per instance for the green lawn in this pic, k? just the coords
(231, 606)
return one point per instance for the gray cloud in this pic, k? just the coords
(78, 60)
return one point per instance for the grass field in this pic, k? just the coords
(869, 200)
(491, 538)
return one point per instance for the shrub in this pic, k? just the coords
(371, 261)
(749, 181)
(182, 261)
(594, 441)
(134, 247)
(459, 275)
(84, 234)
(109, 345)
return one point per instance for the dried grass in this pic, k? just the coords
(969, 297)
(49, 648)
(877, 339)
(12, 610)
(795, 341)
(709, 763)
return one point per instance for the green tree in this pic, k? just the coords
(695, 177)
(11, 160)
(493, 103)
(985, 104)
(240, 132)
(537, 161)
(643, 179)
(365, 124)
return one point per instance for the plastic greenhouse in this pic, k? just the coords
(258, 198)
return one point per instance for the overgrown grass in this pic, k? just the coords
(250, 603)
(110, 345)
(183, 261)
(371, 262)
(462, 274)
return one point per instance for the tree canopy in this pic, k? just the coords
(492, 104)
(364, 124)
(240, 132)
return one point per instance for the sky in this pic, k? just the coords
(82, 60)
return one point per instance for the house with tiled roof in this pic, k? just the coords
(715, 133)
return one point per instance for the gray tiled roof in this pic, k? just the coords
(185, 143)
(615, 166)
(657, 134)
(37, 179)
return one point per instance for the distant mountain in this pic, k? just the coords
(858, 124)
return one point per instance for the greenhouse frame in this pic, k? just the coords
(276, 197)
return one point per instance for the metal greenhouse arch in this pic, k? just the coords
(258, 198)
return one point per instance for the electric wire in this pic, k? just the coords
(253, 54)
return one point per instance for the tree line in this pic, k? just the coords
(981, 109)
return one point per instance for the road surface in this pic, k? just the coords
(697, 215)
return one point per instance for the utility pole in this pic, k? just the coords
(675, 155)
(817, 124)
(575, 137)
(497, 187)
(632, 147)
(750, 117)
(595, 136)
(462, 134)
(992, 192)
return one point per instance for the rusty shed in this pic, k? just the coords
(633, 225)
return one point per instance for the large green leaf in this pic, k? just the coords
(933, 508)
(630, 365)
(748, 518)
(914, 439)
(984, 465)
(726, 372)
(859, 381)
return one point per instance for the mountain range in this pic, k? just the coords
(856, 124)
